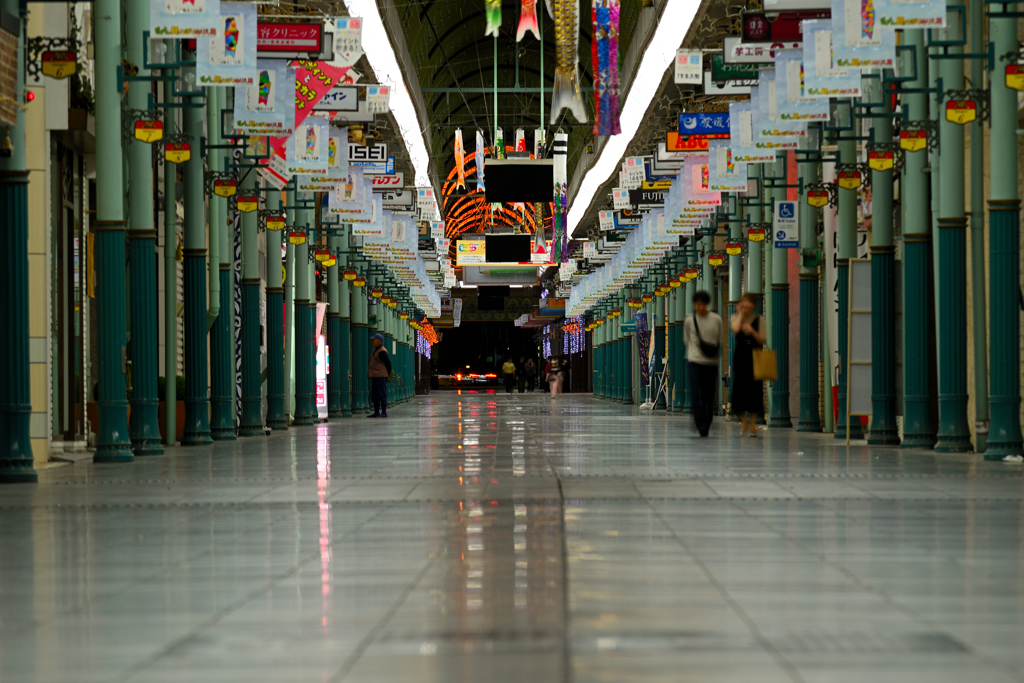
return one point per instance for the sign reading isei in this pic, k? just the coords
(787, 228)
(703, 124)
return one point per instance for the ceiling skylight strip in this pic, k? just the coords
(661, 51)
(384, 62)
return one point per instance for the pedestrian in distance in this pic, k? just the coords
(747, 393)
(521, 375)
(531, 374)
(509, 370)
(554, 377)
(379, 372)
(702, 336)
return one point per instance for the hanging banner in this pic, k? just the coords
(266, 108)
(792, 101)
(703, 124)
(904, 15)
(337, 164)
(183, 18)
(858, 39)
(348, 40)
(643, 346)
(229, 56)
(460, 160)
(306, 149)
(479, 157)
(378, 98)
(605, 14)
(822, 76)
(689, 66)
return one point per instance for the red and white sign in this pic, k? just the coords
(274, 37)
(395, 180)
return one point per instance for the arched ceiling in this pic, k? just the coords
(456, 67)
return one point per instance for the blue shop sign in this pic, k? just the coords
(703, 124)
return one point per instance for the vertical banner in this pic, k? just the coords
(643, 346)
(229, 56)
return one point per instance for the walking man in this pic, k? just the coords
(702, 337)
(509, 370)
(378, 371)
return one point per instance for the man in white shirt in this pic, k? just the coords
(703, 333)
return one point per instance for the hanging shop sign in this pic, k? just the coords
(177, 152)
(704, 124)
(817, 198)
(377, 293)
(275, 37)
(322, 255)
(961, 111)
(1015, 76)
(647, 298)
(369, 153)
(692, 274)
(689, 143)
(275, 223)
(396, 181)
(880, 161)
(340, 98)
(715, 258)
(330, 261)
(733, 248)
(247, 204)
(735, 51)
(63, 63)
(849, 180)
(297, 238)
(755, 234)
(350, 275)
(646, 198)
(359, 282)
(149, 131)
(913, 140)
(225, 188)
(720, 71)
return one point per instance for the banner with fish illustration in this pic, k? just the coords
(492, 10)
(566, 91)
(183, 18)
(479, 158)
(460, 160)
(306, 151)
(229, 56)
(267, 107)
(527, 20)
(858, 39)
(605, 53)
(337, 164)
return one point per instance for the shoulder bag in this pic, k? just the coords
(707, 348)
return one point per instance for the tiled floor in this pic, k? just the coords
(513, 538)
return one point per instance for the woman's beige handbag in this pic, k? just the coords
(766, 366)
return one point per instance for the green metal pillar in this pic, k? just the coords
(954, 434)
(112, 437)
(918, 430)
(144, 427)
(755, 260)
(222, 272)
(979, 325)
(197, 397)
(780, 415)
(360, 347)
(661, 307)
(344, 351)
(685, 311)
(884, 431)
(677, 356)
(334, 376)
(305, 322)
(15, 389)
(810, 416)
(1004, 436)
(170, 294)
(595, 354)
(846, 237)
(252, 390)
(277, 415)
(626, 356)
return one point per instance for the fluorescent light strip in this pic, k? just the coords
(661, 52)
(384, 63)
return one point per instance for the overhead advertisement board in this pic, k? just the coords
(474, 253)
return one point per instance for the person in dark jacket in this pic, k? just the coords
(378, 371)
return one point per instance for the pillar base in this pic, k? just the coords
(276, 416)
(809, 419)
(886, 438)
(197, 403)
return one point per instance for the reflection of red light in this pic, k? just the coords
(494, 502)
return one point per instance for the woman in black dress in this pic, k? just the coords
(747, 393)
